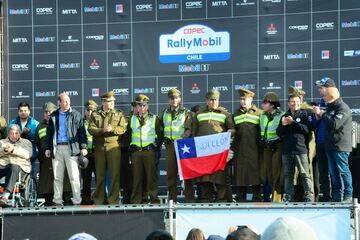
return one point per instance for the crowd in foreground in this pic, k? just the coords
(283, 228)
(297, 155)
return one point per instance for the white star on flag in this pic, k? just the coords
(185, 149)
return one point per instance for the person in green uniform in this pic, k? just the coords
(46, 174)
(126, 176)
(176, 121)
(246, 147)
(3, 127)
(107, 125)
(86, 173)
(211, 120)
(271, 144)
(145, 131)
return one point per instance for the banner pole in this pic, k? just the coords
(171, 219)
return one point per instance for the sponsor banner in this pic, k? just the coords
(194, 43)
(351, 53)
(144, 7)
(44, 11)
(70, 11)
(19, 11)
(319, 219)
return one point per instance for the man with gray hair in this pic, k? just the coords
(15, 154)
(65, 142)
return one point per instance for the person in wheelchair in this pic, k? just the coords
(15, 154)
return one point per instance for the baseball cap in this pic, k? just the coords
(325, 82)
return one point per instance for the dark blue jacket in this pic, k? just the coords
(319, 125)
(338, 122)
(296, 134)
(75, 131)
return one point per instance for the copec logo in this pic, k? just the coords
(194, 43)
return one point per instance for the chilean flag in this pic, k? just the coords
(203, 155)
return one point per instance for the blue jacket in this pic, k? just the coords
(31, 136)
(319, 125)
(75, 131)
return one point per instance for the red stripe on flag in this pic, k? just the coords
(201, 166)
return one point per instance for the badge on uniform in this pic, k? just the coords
(298, 120)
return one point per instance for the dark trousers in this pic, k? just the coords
(86, 175)
(172, 173)
(208, 192)
(143, 165)
(126, 175)
(324, 175)
(301, 162)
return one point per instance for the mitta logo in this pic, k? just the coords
(194, 43)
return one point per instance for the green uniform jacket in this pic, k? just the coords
(246, 148)
(212, 127)
(99, 120)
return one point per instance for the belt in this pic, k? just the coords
(63, 143)
(134, 148)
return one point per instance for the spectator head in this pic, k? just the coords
(23, 110)
(215, 237)
(288, 228)
(159, 235)
(195, 234)
(243, 233)
(82, 236)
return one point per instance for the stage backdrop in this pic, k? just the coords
(145, 46)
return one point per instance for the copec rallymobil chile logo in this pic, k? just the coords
(194, 43)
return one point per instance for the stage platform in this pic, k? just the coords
(137, 221)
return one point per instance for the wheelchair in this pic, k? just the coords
(24, 193)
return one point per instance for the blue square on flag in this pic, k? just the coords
(186, 148)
